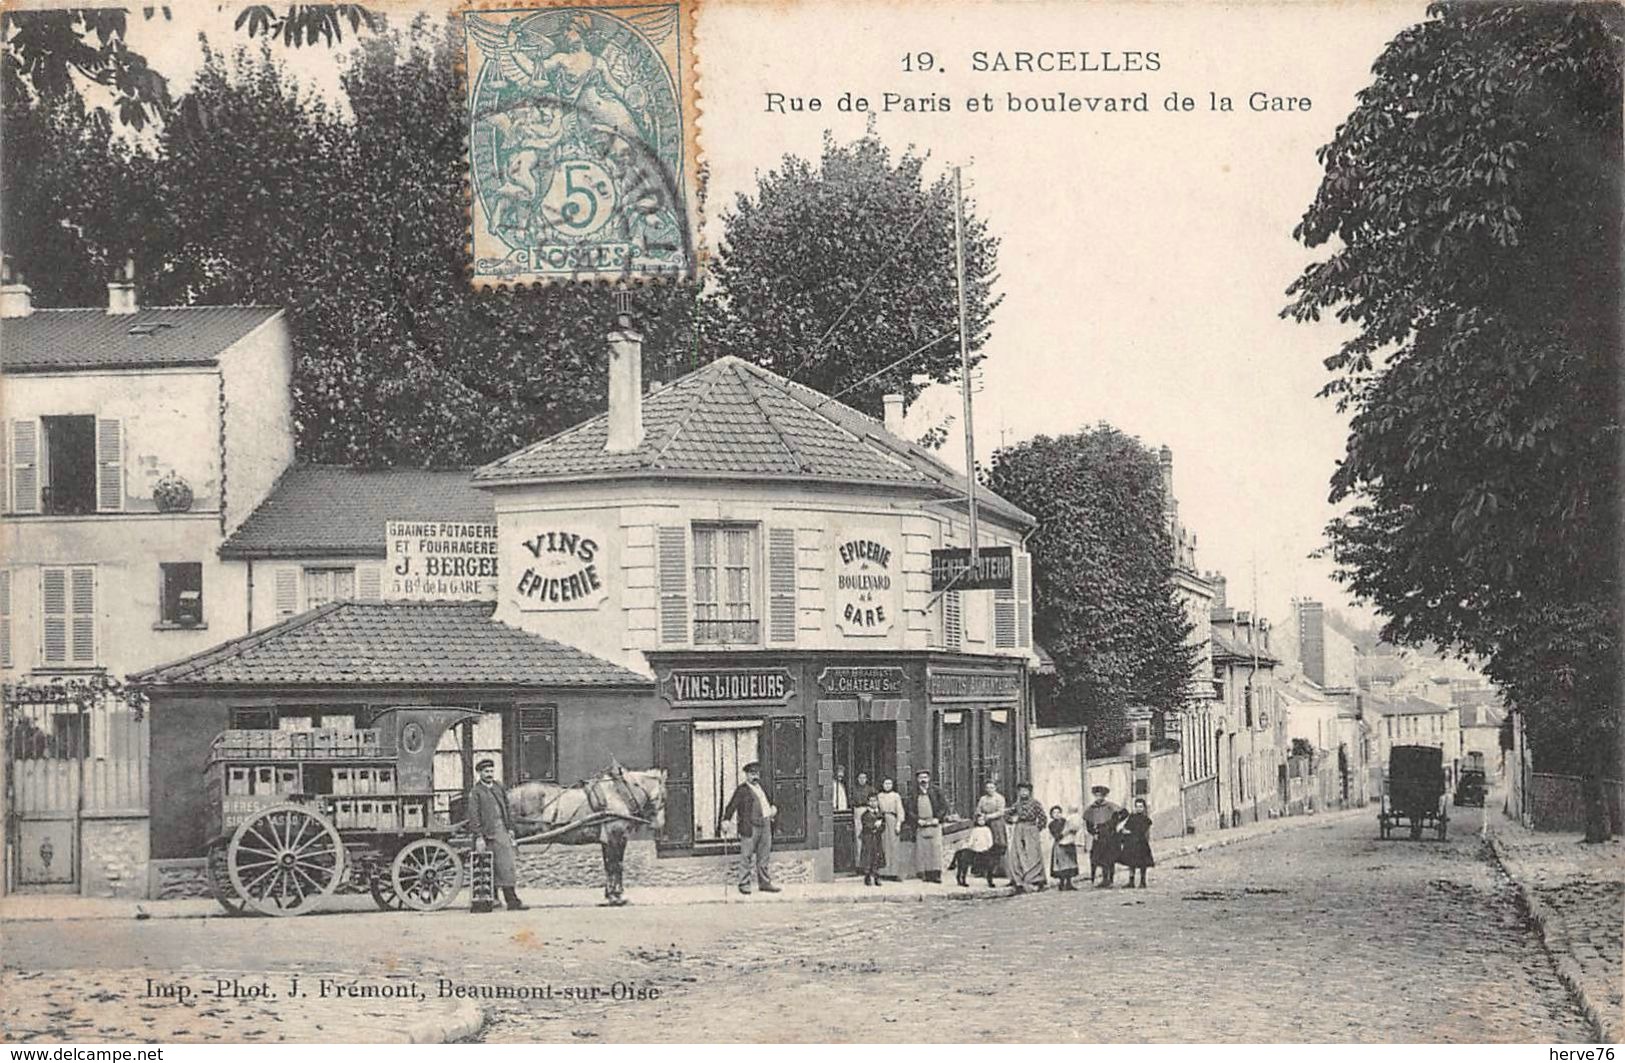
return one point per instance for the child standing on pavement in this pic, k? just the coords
(872, 852)
(1063, 855)
(1136, 836)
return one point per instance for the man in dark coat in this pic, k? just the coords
(755, 814)
(491, 823)
(923, 812)
(1100, 821)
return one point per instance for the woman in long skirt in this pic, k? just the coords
(990, 814)
(1027, 822)
(891, 807)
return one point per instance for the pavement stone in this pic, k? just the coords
(1575, 894)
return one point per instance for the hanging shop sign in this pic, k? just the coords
(690, 687)
(855, 681)
(951, 569)
(864, 598)
(944, 685)
(556, 567)
(444, 560)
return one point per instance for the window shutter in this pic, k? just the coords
(5, 619)
(1004, 618)
(109, 464)
(287, 592)
(1024, 601)
(54, 612)
(369, 582)
(787, 761)
(673, 564)
(25, 466)
(953, 624)
(82, 584)
(781, 584)
(5, 468)
(674, 754)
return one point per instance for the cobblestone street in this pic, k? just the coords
(1319, 932)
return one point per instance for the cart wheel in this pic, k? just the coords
(220, 880)
(427, 875)
(285, 859)
(383, 891)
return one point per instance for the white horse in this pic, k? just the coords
(609, 807)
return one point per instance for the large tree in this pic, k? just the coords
(835, 270)
(1103, 594)
(1472, 201)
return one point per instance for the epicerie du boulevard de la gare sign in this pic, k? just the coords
(727, 686)
(445, 560)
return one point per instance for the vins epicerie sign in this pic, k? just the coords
(557, 569)
(728, 686)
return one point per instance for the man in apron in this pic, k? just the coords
(491, 823)
(923, 810)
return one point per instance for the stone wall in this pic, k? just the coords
(113, 860)
(170, 880)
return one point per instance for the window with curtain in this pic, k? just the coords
(722, 748)
(725, 585)
(323, 585)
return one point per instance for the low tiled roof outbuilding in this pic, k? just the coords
(397, 644)
(155, 337)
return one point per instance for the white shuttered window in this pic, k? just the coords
(68, 614)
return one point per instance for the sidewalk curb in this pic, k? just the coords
(1554, 938)
(466, 1021)
(1232, 836)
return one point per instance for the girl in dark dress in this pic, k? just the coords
(872, 853)
(1136, 839)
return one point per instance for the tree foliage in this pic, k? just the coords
(46, 50)
(1103, 594)
(857, 248)
(1472, 204)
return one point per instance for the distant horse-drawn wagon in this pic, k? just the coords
(1415, 789)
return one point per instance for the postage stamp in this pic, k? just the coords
(581, 143)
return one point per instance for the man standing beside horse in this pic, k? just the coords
(755, 815)
(491, 823)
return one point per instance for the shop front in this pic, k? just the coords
(823, 725)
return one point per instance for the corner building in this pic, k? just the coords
(764, 553)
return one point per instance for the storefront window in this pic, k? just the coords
(722, 748)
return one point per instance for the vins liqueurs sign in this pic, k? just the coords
(864, 602)
(559, 568)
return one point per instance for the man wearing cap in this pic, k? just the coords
(755, 817)
(923, 812)
(491, 823)
(1100, 821)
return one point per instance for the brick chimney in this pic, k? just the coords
(16, 298)
(1312, 640)
(894, 413)
(121, 291)
(625, 387)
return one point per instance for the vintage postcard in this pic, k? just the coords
(715, 521)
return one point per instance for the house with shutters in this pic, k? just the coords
(779, 564)
(135, 441)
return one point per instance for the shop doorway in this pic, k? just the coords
(868, 749)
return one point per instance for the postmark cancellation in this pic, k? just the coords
(581, 143)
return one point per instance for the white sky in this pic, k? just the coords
(1144, 256)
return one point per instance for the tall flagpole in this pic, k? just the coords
(964, 363)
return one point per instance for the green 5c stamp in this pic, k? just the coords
(580, 143)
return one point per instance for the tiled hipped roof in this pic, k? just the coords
(338, 511)
(732, 419)
(394, 643)
(48, 341)
(1226, 648)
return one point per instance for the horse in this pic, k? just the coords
(609, 806)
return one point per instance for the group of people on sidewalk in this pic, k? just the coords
(1008, 841)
